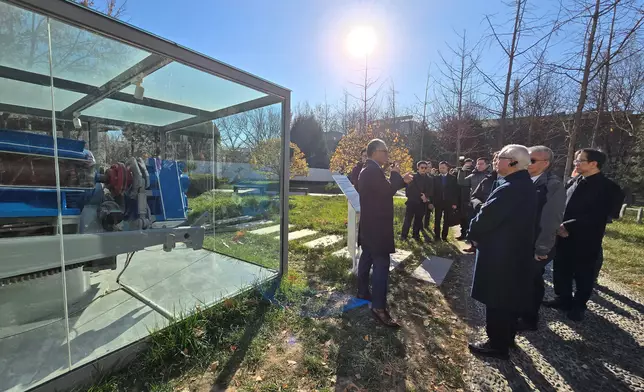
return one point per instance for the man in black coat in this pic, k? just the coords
(376, 233)
(429, 206)
(418, 193)
(446, 197)
(590, 200)
(503, 231)
(466, 189)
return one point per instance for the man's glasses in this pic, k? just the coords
(578, 161)
(533, 161)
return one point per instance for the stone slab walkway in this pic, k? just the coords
(325, 241)
(295, 235)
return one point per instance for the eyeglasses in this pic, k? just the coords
(533, 161)
(578, 161)
(385, 151)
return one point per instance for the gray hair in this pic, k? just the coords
(547, 150)
(519, 153)
(374, 145)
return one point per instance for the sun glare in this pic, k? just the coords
(361, 41)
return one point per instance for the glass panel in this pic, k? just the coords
(139, 114)
(248, 187)
(141, 190)
(180, 84)
(27, 95)
(33, 338)
(89, 58)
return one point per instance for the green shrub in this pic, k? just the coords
(229, 205)
(201, 183)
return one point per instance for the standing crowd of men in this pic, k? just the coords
(516, 214)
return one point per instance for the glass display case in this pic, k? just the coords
(139, 182)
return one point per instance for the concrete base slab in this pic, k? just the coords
(433, 270)
(110, 319)
(398, 257)
(324, 241)
(295, 235)
(267, 230)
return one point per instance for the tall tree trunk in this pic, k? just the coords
(508, 79)
(576, 126)
(601, 105)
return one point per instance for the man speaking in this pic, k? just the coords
(505, 267)
(376, 230)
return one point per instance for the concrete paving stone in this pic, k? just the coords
(267, 230)
(324, 241)
(433, 270)
(298, 234)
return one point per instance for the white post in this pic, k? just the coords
(353, 220)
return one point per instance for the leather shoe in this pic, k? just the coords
(575, 315)
(485, 350)
(557, 304)
(385, 318)
(523, 325)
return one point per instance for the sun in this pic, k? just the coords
(361, 41)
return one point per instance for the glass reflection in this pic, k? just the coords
(33, 338)
(166, 206)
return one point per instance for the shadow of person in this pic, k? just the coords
(584, 363)
(620, 297)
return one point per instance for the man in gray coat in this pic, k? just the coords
(551, 202)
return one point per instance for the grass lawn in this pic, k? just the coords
(259, 342)
(624, 253)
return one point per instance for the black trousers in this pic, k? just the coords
(539, 290)
(379, 278)
(568, 268)
(413, 212)
(428, 215)
(501, 328)
(442, 214)
(465, 225)
(600, 262)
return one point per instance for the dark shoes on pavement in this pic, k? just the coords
(523, 325)
(557, 304)
(486, 350)
(575, 315)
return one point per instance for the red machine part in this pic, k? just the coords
(118, 178)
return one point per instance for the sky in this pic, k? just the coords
(301, 44)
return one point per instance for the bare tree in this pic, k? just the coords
(368, 95)
(457, 86)
(591, 67)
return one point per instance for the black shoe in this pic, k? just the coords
(575, 315)
(485, 350)
(557, 304)
(523, 325)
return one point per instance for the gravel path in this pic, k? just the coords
(605, 352)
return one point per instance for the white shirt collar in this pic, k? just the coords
(535, 178)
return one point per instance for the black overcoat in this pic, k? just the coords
(504, 232)
(376, 232)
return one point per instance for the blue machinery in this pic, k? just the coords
(125, 208)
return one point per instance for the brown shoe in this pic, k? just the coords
(385, 318)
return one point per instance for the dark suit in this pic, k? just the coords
(446, 194)
(353, 177)
(428, 212)
(415, 206)
(590, 203)
(504, 232)
(376, 234)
